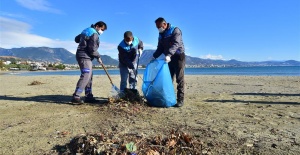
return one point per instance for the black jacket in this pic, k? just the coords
(170, 42)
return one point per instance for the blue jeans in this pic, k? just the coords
(127, 74)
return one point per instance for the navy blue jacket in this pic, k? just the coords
(88, 44)
(128, 54)
(169, 42)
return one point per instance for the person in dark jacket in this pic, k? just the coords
(87, 51)
(171, 45)
(130, 49)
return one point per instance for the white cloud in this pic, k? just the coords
(108, 49)
(8, 24)
(39, 5)
(16, 34)
(108, 46)
(214, 57)
(2, 13)
(187, 53)
(149, 46)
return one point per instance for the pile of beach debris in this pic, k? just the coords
(129, 95)
(35, 83)
(111, 142)
(130, 104)
(176, 142)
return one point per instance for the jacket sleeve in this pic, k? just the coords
(124, 59)
(176, 41)
(159, 50)
(93, 45)
(141, 45)
(77, 38)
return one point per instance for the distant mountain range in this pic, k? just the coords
(198, 62)
(49, 54)
(64, 56)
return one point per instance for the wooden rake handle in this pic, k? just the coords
(107, 73)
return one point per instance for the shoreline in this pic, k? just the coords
(243, 71)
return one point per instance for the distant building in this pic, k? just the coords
(7, 62)
(37, 66)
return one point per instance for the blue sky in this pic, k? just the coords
(246, 30)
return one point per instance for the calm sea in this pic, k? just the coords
(256, 71)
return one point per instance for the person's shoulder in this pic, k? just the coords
(89, 31)
(176, 30)
(122, 44)
(135, 38)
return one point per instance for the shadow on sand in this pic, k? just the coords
(258, 102)
(57, 99)
(267, 94)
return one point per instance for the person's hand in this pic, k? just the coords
(168, 59)
(132, 71)
(99, 60)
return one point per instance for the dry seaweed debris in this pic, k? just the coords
(129, 105)
(35, 83)
(129, 96)
(176, 142)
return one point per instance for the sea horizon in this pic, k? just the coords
(248, 71)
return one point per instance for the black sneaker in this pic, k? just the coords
(90, 100)
(76, 100)
(179, 103)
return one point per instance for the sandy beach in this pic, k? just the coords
(230, 114)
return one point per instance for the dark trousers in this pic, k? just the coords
(176, 66)
(86, 78)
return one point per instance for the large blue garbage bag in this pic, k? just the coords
(157, 86)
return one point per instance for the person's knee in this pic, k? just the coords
(85, 70)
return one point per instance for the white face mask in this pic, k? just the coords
(161, 30)
(128, 43)
(100, 32)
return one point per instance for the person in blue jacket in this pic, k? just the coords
(87, 51)
(171, 45)
(130, 49)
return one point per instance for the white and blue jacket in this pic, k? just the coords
(128, 54)
(88, 44)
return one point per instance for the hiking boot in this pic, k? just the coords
(76, 100)
(179, 103)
